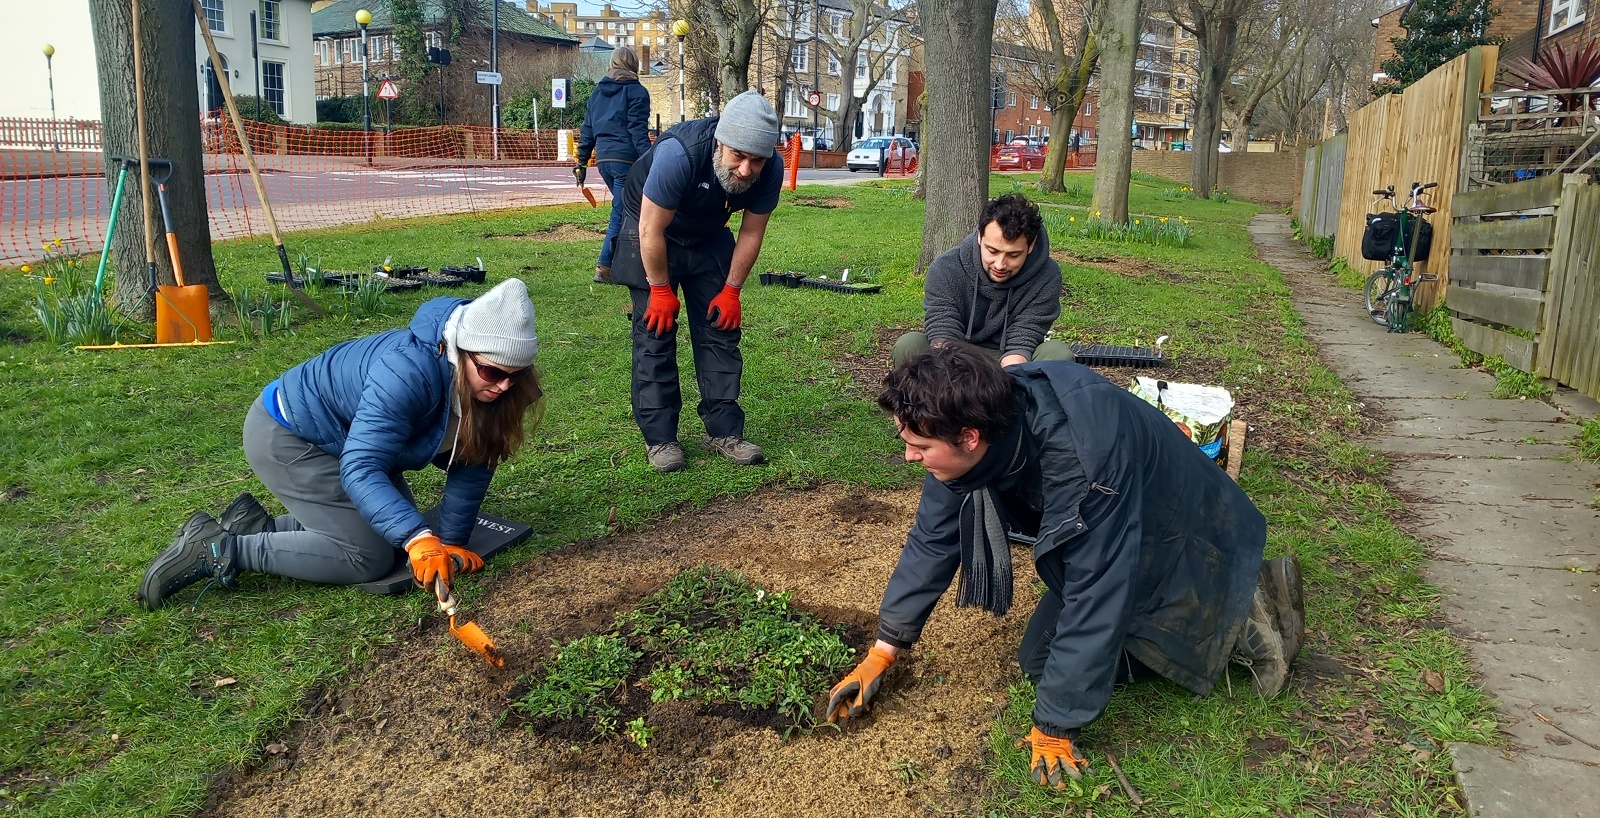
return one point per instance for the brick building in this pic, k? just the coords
(1524, 26)
(1026, 112)
(531, 51)
(649, 34)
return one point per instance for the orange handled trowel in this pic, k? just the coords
(469, 633)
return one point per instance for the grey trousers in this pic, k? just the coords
(323, 538)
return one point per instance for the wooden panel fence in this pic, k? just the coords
(1414, 136)
(1525, 277)
(1320, 187)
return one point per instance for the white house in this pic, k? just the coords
(277, 60)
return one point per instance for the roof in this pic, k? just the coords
(340, 19)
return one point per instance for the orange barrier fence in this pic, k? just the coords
(55, 134)
(791, 161)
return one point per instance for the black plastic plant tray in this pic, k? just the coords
(278, 278)
(801, 280)
(399, 271)
(1104, 355)
(354, 280)
(437, 279)
(472, 274)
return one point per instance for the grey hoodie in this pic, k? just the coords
(961, 302)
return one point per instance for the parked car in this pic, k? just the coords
(1019, 157)
(864, 153)
(1031, 141)
(807, 141)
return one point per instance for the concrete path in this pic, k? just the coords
(1510, 523)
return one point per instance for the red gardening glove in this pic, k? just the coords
(662, 311)
(725, 313)
(463, 560)
(429, 559)
(850, 698)
(1054, 760)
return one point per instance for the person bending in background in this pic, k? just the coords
(615, 133)
(334, 435)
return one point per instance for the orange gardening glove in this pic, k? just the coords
(1055, 760)
(463, 560)
(850, 697)
(429, 558)
(662, 311)
(725, 313)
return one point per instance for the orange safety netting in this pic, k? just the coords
(314, 177)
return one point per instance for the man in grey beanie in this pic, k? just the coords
(676, 207)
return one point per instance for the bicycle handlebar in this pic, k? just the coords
(1384, 192)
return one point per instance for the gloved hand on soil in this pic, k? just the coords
(725, 313)
(429, 559)
(1054, 760)
(580, 172)
(662, 311)
(851, 697)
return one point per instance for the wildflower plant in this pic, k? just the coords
(68, 308)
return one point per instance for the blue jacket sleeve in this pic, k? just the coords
(464, 490)
(586, 137)
(1096, 578)
(928, 563)
(639, 118)
(391, 402)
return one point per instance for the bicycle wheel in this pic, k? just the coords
(1397, 312)
(1381, 288)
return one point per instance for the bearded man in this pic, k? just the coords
(676, 207)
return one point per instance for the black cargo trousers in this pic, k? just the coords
(697, 272)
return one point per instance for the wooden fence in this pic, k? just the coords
(1414, 136)
(61, 134)
(1525, 277)
(1320, 187)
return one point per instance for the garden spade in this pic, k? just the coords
(469, 633)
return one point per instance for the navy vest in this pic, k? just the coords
(703, 213)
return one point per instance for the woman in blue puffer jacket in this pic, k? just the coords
(616, 132)
(333, 437)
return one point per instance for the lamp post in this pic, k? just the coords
(363, 19)
(816, 79)
(680, 29)
(50, 72)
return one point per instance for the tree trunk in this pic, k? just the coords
(1218, 35)
(957, 119)
(1073, 83)
(1116, 29)
(1239, 138)
(172, 117)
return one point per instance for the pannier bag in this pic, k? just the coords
(1377, 242)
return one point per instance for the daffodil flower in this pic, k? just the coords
(27, 268)
(49, 281)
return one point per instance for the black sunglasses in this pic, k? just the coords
(494, 374)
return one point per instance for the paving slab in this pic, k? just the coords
(1545, 536)
(1464, 447)
(1526, 411)
(1510, 785)
(1498, 482)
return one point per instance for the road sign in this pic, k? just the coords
(389, 89)
(488, 77)
(559, 92)
(813, 99)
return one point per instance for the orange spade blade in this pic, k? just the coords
(473, 637)
(589, 194)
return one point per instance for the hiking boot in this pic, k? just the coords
(201, 551)
(734, 448)
(1260, 647)
(245, 515)
(1280, 578)
(602, 274)
(666, 457)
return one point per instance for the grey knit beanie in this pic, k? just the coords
(749, 124)
(499, 326)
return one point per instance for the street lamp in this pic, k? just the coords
(50, 51)
(363, 19)
(680, 29)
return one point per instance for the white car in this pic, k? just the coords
(864, 154)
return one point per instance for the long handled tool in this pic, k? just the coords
(250, 162)
(183, 311)
(123, 163)
(144, 147)
(469, 633)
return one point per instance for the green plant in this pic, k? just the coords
(1587, 440)
(1320, 246)
(581, 681)
(1184, 192)
(1159, 231)
(907, 770)
(263, 314)
(1346, 275)
(639, 733)
(66, 304)
(366, 300)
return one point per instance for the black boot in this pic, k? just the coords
(1280, 578)
(201, 551)
(1260, 647)
(245, 515)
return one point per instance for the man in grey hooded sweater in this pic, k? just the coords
(999, 291)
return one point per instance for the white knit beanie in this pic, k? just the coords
(499, 326)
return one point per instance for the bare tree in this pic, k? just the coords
(861, 39)
(957, 131)
(727, 30)
(1115, 27)
(1069, 81)
(1215, 25)
(172, 125)
(1273, 40)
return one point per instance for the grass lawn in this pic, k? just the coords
(109, 710)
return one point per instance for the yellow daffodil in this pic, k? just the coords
(56, 241)
(72, 263)
(1163, 219)
(1136, 221)
(26, 268)
(49, 281)
(1072, 218)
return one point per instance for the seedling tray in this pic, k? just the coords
(399, 271)
(1104, 355)
(279, 278)
(491, 536)
(793, 280)
(354, 280)
(437, 279)
(472, 274)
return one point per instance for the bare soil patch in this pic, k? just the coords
(869, 369)
(1126, 267)
(566, 231)
(426, 728)
(825, 202)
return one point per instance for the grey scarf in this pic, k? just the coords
(985, 549)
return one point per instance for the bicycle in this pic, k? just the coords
(1388, 292)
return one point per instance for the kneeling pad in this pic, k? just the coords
(489, 537)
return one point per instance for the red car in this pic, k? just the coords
(1019, 157)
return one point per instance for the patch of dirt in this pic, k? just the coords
(431, 720)
(869, 370)
(825, 202)
(566, 231)
(1126, 267)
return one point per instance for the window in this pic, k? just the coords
(833, 102)
(1183, 58)
(1565, 14)
(1033, 101)
(1011, 100)
(349, 50)
(792, 106)
(861, 66)
(799, 58)
(836, 24)
(833, 66)
(272, 85)
(321, 50)
(1178, 109)
(888, 71)
(216, 18)
(272, 20)
(1088, 108)
(1182, 83)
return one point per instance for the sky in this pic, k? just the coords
(28, 26)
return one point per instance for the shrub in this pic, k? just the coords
(339, 109)
(257, 109)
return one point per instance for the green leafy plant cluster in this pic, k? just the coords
(1158, 231)
(1320, 246)
(1348, 276)
(1588, 439)
(1509, 381)
(67, 306)
(711, 637)
(260, 316)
